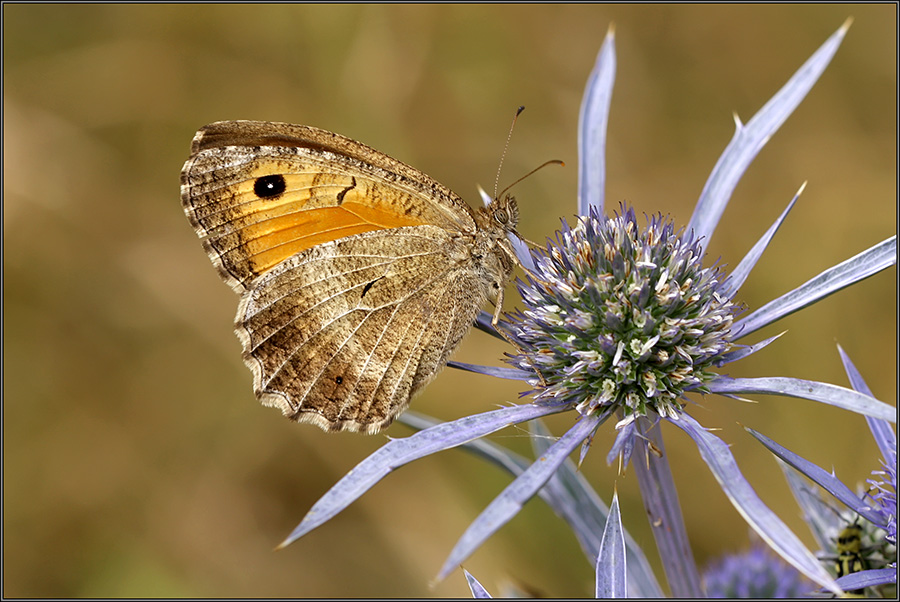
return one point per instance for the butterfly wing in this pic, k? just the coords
(341, 335)
(259, 192)
(356, 270)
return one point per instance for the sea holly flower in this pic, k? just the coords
(754, 574)
(862, 539)
(623, 317)
(623, 321)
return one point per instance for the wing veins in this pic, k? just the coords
(380, 380)
(331, 323)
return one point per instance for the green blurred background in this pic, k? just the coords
(136, 460)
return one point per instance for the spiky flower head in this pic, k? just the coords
(622, 316)
(884, 492)
(756, 573)
(879, 542)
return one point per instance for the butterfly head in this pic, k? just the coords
(504, 213)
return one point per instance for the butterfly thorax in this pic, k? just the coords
(491, 245)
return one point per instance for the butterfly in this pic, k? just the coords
(358, 274)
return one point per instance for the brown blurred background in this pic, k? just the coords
(136, 460)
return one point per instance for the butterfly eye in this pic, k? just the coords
(502, 216)
(270, 186)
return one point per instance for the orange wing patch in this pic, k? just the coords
(274, 240)
(268, 217)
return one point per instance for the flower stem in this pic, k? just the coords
(664, 512)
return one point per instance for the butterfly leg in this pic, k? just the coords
(497, 309)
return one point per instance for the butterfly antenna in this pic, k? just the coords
(539, 167)
(505, 148)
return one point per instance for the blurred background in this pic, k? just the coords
(136, 459)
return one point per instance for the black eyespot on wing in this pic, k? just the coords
(268, 187)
